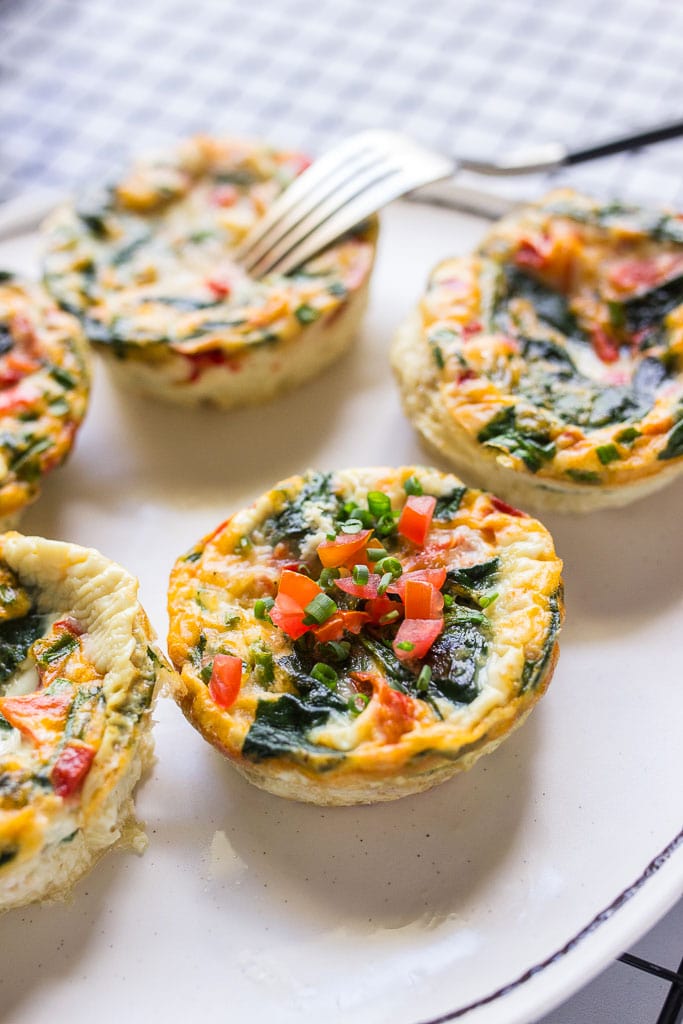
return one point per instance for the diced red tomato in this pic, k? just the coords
(18, 398)
(632, 275)
(333, 553)
(15, 366)
(289, 616)
(340, 623)
(299, 587)
(69, 625)
(71, 767)
(224, 195)
(24, 334)
(416, 518)
(365, 590)
(220, 287)
(606, 348)
(422, 600)
(437, 578)
(469, 330)
(200, 361)
(378, 607)
(510, 510)
(226, 677)
(420, 633)
(533, 252)
(38, 715)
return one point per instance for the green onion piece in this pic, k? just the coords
(325, 674)
(413, 486)
(384, 583)
(352, 526)
(336, 650)
(628, 435)
(262, 607)
(448, 601)
(330, 536)
(607, 453)
(262, 660)
(424, 679)
(386, 525)
(242, 545)
(405, 645)
(375, 554)
(361, 575)
(205, 672)
(306, 314)
(486, 600)
(391, 565)
(358, 703)
(617, 314)
(327, 578)
(389, 617)
(379, 503)
(319, 610)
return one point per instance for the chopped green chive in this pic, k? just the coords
(327, 578)
(193, 556)
(358, 703)
(63, 377)
(361, 574)
(375, 554)
(486, 600)
(262, 661)
(405, 645)
(389, 617)
(607, 453)
(628, 435)
(391, 565)
(386, 525)
(617, 314)
(379, 503)
(330, 536)
(325, 674)
(262, 607)
(352, 526)
(384, 583)
(424, 679)
(319, 610)
(242, 545)
(337, 650)
(413, 486)
(438, 356)
(448, 601)
(306, 314)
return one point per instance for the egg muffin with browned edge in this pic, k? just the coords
(549, 365)
(78, 673)
(44, 389)
(148, 265)
(361, 635)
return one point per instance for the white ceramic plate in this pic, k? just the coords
(491, 898)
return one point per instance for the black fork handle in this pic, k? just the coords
(671, 130)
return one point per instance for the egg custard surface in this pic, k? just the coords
(44, 389)
(549, 365)
(361, 635)
(78, 674)
(148, 265)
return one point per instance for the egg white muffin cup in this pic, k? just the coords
(419, 721)
(47, 840)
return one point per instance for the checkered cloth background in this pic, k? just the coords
(84, 83)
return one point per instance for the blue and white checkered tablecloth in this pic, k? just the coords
(84, 83)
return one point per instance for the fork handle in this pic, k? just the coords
(670, 130)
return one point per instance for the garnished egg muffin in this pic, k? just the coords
(78, 673)
(148, 265)
(549, 366)
(361, 635)
(44, 388)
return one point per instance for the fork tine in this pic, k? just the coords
(286, 220)
(416, 167)
(303, 220)
(326, 167)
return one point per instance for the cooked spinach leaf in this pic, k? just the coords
(448, 504)
(648, 309)
(533, 670)
(16, 636)
(550, 306)
(280, 727)
(455, 658)
(291, 524)
(674, 444)
(474, 577)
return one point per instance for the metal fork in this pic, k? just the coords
(367, 171)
